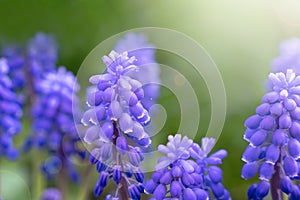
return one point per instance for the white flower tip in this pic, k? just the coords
(95, 79)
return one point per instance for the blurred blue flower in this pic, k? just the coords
(10, 115)
(187, 178)
(41, 55)
(53, 123)
(29, 65)
(274, 133)
(16, 61)
(289, 57)
(51, 194)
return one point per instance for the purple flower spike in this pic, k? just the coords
(16, 62)
(188, 170)
(54, 115)
(118, 105)
(42, 56)
(10, 115)
(276, 138)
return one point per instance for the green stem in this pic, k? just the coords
(38, 181)
(86, 186)
(62, 182)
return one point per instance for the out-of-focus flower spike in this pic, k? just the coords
(10, 115)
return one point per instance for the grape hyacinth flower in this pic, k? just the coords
(53, 123)
(274, 133)
(188, 171)
(148, 70)
(16, 62)
(28, 67)
(116, 119)
(11, 112)
(41, 56)
(51, 194)
(289, 57)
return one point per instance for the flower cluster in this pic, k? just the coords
(41, 55)
(116, 115)
(289, 57)
(26, 68)
(51, 194)
(11, 112)
(274, 134)
(188, 171)
(16, 62)
(53, 123)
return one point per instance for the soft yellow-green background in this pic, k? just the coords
(242, 37)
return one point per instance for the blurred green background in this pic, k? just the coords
(242, 37)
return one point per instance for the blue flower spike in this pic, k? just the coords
(10, 115)
(188, 170)
(118, 110)
(273, 134)
(54, 128)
